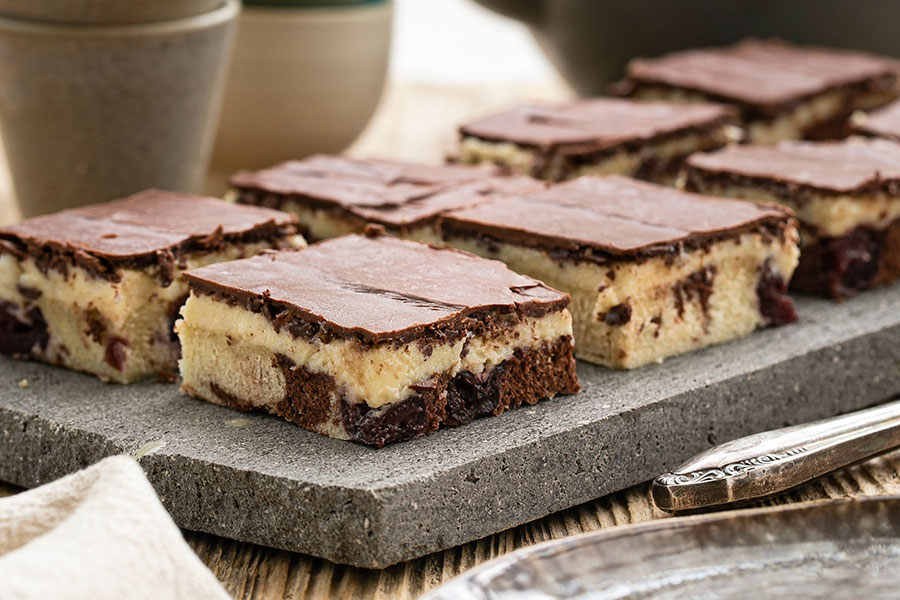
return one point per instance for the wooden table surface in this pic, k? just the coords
(417, 123)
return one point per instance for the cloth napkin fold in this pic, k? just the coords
(96, 534)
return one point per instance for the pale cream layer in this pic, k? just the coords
(827, 215)
(794, 123)
(323, 224)
(234, 347)
(649, 288)
(136, 309)
(10, 271)
(522, 159)
(212, 362)
(320, 224)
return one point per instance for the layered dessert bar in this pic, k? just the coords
(782, 91)
(333, 196)
(374, 339)
(883, 123)
(596, 137)
(845, 194)
(653, 271)
(97, 288)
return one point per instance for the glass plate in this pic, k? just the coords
(831, 549)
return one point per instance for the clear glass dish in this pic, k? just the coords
(831, 549)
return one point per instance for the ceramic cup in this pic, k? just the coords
(92, 113)
(303, 79)
(105, 12)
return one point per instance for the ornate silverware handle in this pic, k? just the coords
(774, 461)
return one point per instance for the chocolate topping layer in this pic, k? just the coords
(769, 75)
(394, 194)
(428, 209)
(884, 122)
(612, 218)
(377, 288)
(853, 165)
(152, 228)
(589, 126)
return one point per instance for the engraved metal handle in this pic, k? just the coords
(767, 463)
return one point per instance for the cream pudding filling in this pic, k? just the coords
(10, 271)
(825, 215)
(558, 166)
(230, 346)
(628, 314)
(118, 330)
(320, 223)
(323, 224)
(793, 123)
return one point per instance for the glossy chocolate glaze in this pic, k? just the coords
(393, 194)
(764, 76)
(376, 288)
(611, 218)
(150, 229)
(596, 125)
(856, 165)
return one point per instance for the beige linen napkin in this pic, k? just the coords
(97, 534)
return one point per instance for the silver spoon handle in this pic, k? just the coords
(767, 463)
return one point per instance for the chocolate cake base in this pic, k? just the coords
(839, 267)
(531, 375)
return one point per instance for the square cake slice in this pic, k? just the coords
(97, 288)
(597, 137)
(333, 196)
(845, 194)
(653, 271)
(374, 339)
(783, 91)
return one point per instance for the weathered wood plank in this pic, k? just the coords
(253, 573)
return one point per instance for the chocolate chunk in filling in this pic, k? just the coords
(842, 267)
(777, 308)
(22, 330)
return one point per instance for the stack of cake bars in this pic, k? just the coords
(435, 295)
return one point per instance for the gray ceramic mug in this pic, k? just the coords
(89, 113)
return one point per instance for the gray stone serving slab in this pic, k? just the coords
(259, 479)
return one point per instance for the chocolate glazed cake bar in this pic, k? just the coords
(595, 137)
(652, 271)
(846, 195)
(374, 339)
(783, 91)
(333, 196)
(97, 288)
